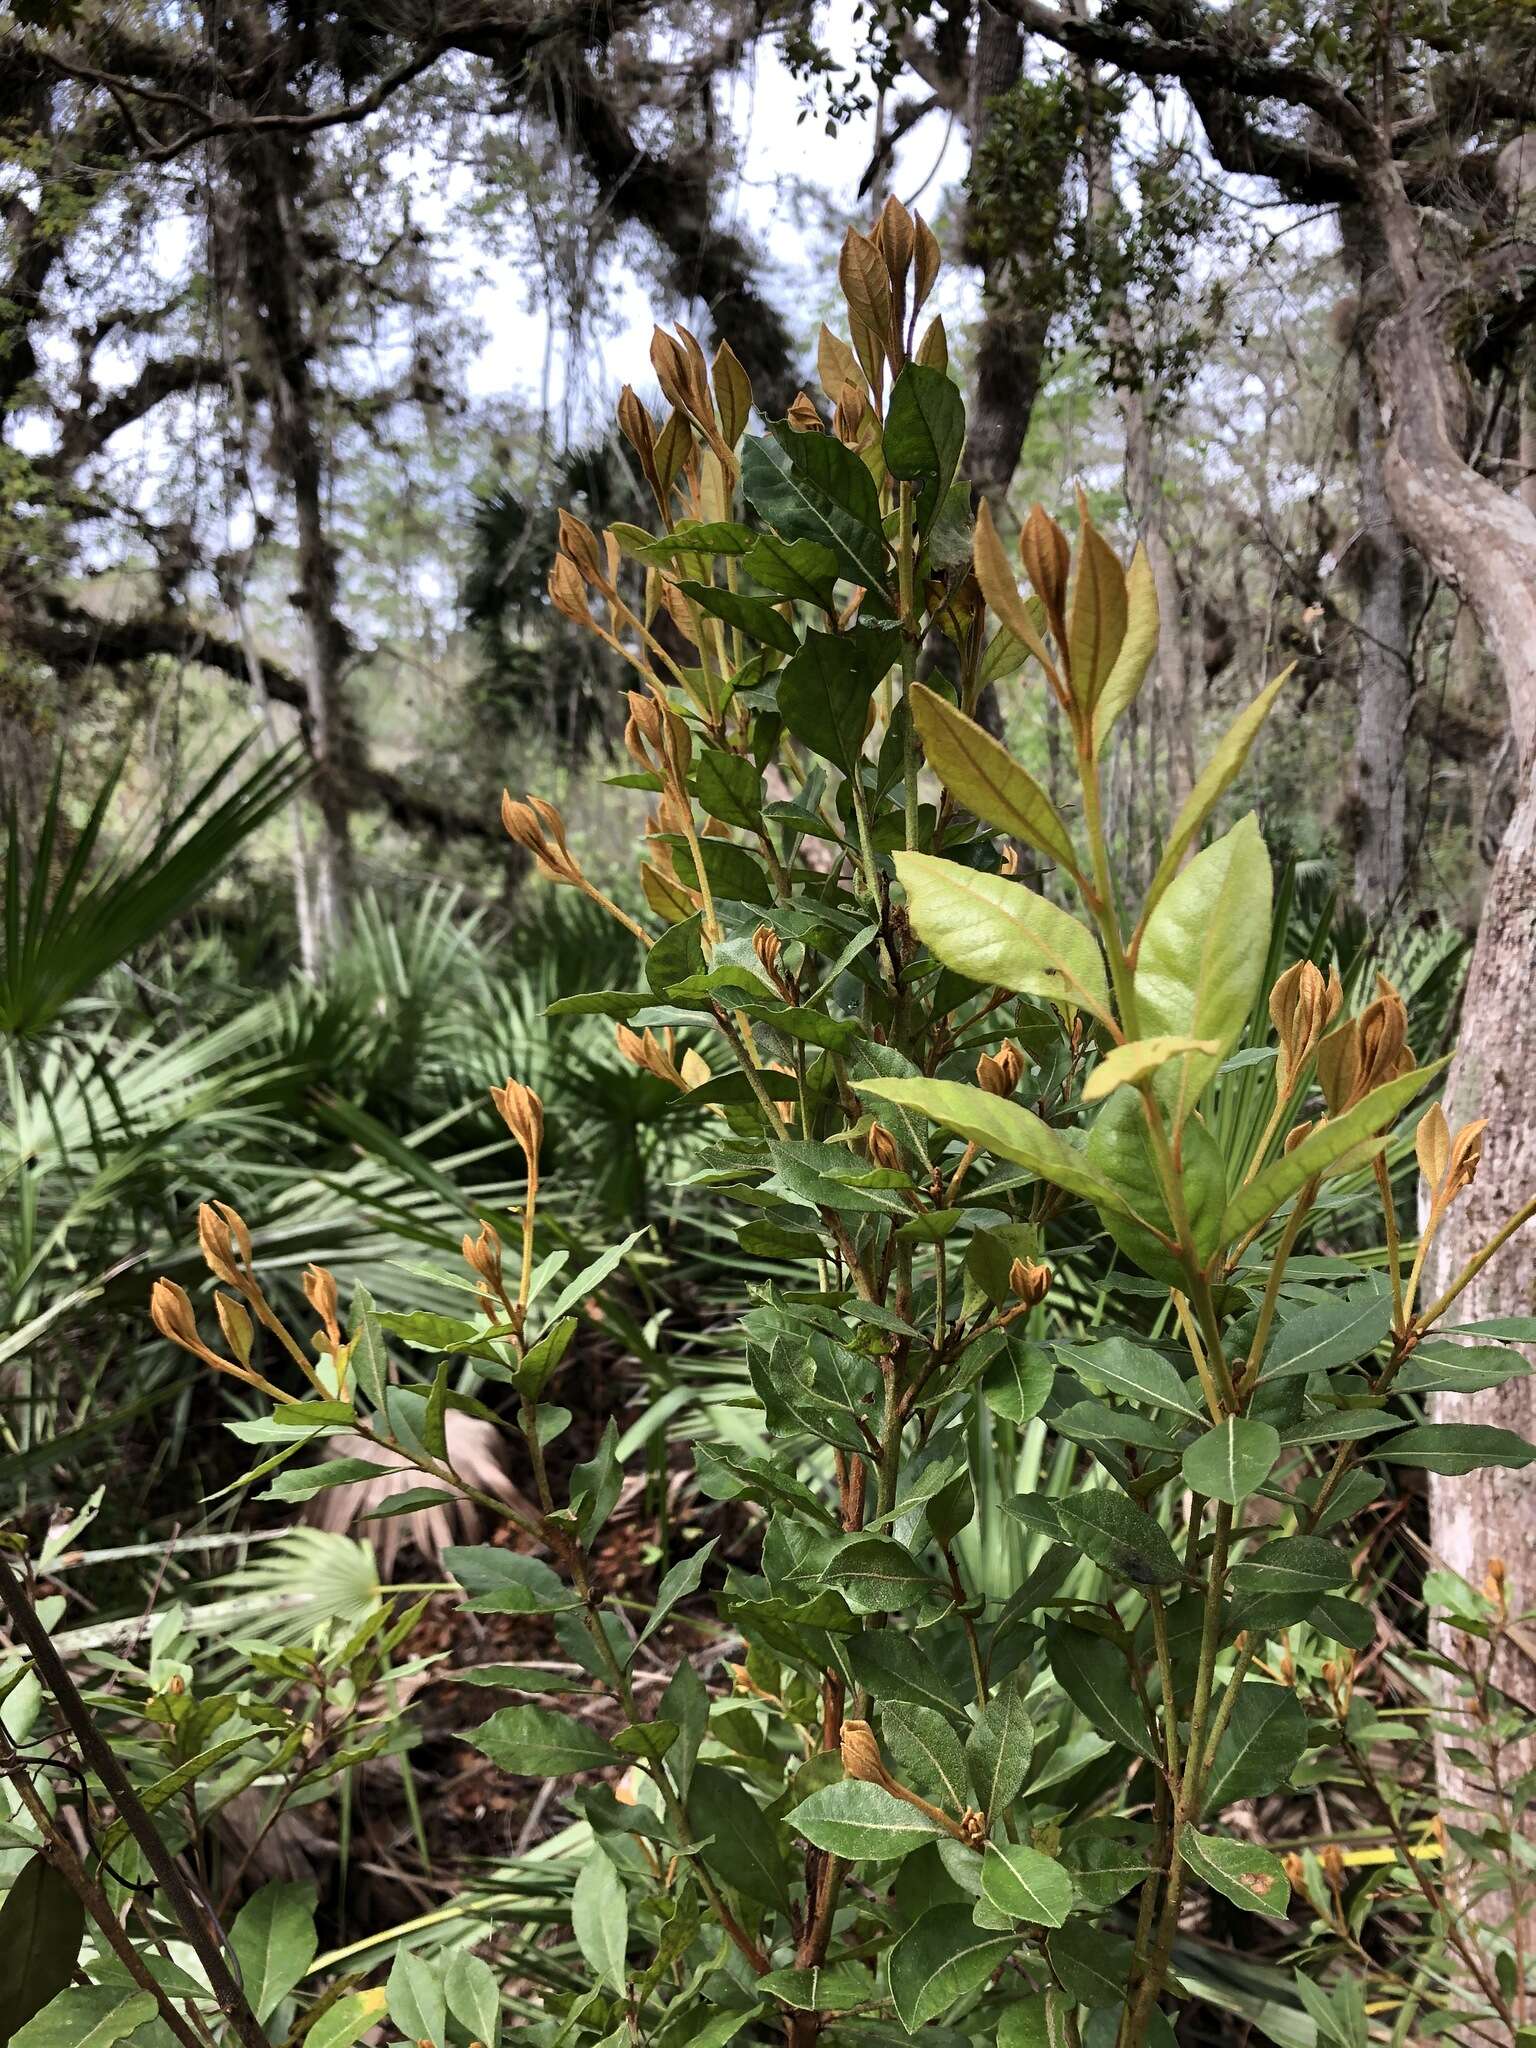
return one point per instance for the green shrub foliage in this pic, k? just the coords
(960, 1101)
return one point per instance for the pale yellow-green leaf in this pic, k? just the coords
(993, 1123)
(1336, 1144)
(1134, 1062)
(985, 778)
(1136, 649)
(1202, 954)
(1097, 626)
(344, 2024)
(1217, 776)
(667, 898)
(1001, 934)
(1000, 590)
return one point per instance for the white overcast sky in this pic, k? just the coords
(779, 154)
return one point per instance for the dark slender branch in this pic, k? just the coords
(97, 1753)
(295, 122)
(905, 118)
(1203, 54)
(73, 641)
(88, 1891)
(87, 431)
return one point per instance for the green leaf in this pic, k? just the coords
(1261, 1745)
(714, 2033)
(877, 1575)
(596, 1484)
(1442, 1366)
(1093, 1964)
(810, 1027)
(752, 615)
(810, 487)
(173, 1784)
(825, 690)
(88, 2016)
(1202, 955)
(999, 1747)
(689, 537)
(434, 1420)
(677, 1583)
(1284, 1577)
(685, 1703)
(474, 1998)
(1233, 1460)
(650, 1739)
(729, 787)
(344, 2024)
(862, 1821)
(1018, 1386)
(1319, 1150)
(1120, 1536)
(534, 1742)
(836, 1987)
(303, 1482)
(993, 1123)
(501, 1581)
(1024, 1885)
(425, 1331)
(274, 1941)
(801, 569)
(986, 779)
(893, 1667)
(1135, 1373)
(542, 1360)
(1093, 1675)
(941, 1957)
(927, 1755)
(1104, 1868)
(924, 428)
(1456, 1447)
(1002, 934)
(415, 1998)
(1343, 1621)
(600, 1919)
(1222, 769)
(1292, 1564)
(746, 1851)
(1329, 1333)
(591, 1277)
(41, 1928)
(1119, 1148)
(1241, 1871)
(1043, 2019)
(370, 1361)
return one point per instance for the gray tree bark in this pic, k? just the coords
(264, 266)
(1011, 348)
(1384, 693)
(1482, 541)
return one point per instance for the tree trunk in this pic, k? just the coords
(1482, 540)
(265, 266)
(1488, 1514)
(1385, 688)
(1010, 350)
